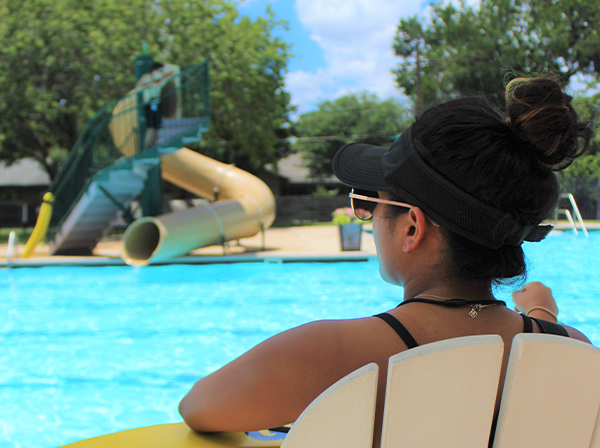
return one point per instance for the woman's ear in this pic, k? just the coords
(415, 229)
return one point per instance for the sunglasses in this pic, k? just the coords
(363, 204)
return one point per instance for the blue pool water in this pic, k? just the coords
(88, 351)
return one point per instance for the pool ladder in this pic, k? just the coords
(567, 213)
(13, 242)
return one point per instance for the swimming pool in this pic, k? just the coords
(88, 351)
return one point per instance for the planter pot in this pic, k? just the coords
(350, 236)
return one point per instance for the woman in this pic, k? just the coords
(451, 200)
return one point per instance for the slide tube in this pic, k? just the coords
(244, 206)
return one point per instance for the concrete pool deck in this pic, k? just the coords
(302, 243)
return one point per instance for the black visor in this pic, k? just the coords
(401, 170)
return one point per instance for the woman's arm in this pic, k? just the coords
(536, 295)
(271, 384)
(536, 300)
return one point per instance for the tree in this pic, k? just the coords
(249, 106)
(468, 51)
(63, 60)
(54, 73)
(350, 118)
(588, 107)
(570, 30)
(413, 44)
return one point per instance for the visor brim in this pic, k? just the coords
(359, 166)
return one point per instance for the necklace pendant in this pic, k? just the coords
(473, 313)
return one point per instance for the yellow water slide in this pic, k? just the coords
(239, 206)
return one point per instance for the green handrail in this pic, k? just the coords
(96, 149)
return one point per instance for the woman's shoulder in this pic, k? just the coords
(576, 334)
(337, 346)
(336, 336)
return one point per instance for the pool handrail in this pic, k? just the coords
(570, 197)
(13, 243)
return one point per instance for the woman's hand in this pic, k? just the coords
(532, 295)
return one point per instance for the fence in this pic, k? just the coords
(303, 209)
(294, 210)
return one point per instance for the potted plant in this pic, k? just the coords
(350, 229)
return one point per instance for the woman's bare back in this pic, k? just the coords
(274, 382)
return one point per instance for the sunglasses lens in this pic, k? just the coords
(363, 210)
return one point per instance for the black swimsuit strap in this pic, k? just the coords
(551, 327)
(407, 338)
(547, 327)
(527, 324)
(399, 329)
(453, 302)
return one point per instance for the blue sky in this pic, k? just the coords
(308, 55)
(343, 46)
(339, 46)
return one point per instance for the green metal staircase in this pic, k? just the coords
(109, 166)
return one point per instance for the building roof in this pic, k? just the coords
(28, 172)
(23, 173)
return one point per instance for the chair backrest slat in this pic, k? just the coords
(443, 394)
(343, 416)
(551, 393)
(596, 436)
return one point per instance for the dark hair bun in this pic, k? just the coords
(541, 115)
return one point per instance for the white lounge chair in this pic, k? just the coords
(443, 394)
(596, 436)
(342, 416)
(551, 394)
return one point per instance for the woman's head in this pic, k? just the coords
(486, 178)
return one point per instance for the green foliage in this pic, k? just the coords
(468, 51)
(53, 75)
(415, 74)
(350, 118)
(321, 191)
(588, 108)
(588, 165)
(249, 105)
(569, 29)
(342, 216)
(63, 60)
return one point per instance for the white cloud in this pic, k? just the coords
(356, 37)
(307, 88)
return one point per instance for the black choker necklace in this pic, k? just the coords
(476, 306)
